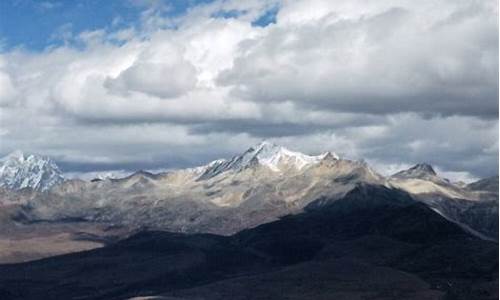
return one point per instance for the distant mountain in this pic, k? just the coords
(487, 184)
(421, 171)
(473, 206)
(19, 171)
(97, 175)
(263, 184)
(275, 157)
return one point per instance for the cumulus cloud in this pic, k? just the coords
(393, 82)
(7, 90)
(159, 70)
(397, 56)
(160, 79)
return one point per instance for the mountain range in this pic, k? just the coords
(373, 243)
(261, 185)
(269, 223)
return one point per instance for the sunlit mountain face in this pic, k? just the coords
(265, 149)
(264, 183)
(255, 216)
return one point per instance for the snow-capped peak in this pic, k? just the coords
(275, 157)
(19, 170)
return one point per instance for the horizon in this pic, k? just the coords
(255, 149)
(122, 173)
(139, 84)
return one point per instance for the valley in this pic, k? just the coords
(266, 224)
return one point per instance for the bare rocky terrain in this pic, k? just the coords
(373, 243)
(267, 224)
(261, 185)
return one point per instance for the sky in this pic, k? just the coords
(145, 84)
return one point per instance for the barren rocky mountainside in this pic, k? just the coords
(374, 243)
(267, 224)
(261, 185)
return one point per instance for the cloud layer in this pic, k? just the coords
(394, 82)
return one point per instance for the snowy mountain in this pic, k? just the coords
(19, 171)
(262, 184)
(274, 157)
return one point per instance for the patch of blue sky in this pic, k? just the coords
(39, 24)
(228, 14)
(269, 17)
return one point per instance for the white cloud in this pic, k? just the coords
(460, 176)
(88, 176)
(384, 57)
(7, 90)
(395, 82)
(163, 80)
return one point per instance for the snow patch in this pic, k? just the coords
(19, 171)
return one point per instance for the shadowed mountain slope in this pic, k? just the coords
(258, 186)
(375, 243)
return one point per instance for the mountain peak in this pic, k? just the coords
(424, 167)
(330, 156)
(265, 145)
(19, 170)
(263, 150)
(275, 157)
(421, 171)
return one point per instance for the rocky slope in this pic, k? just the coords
(474, 206)
(373, 243)
(261, 185)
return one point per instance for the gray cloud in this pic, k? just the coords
(393, 82)
(397, 59)
(161, 79)
(275, 123)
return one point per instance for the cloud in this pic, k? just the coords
(399, 57)
(393, 82)
(156, 79)
(7, 90)
(96, 174)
